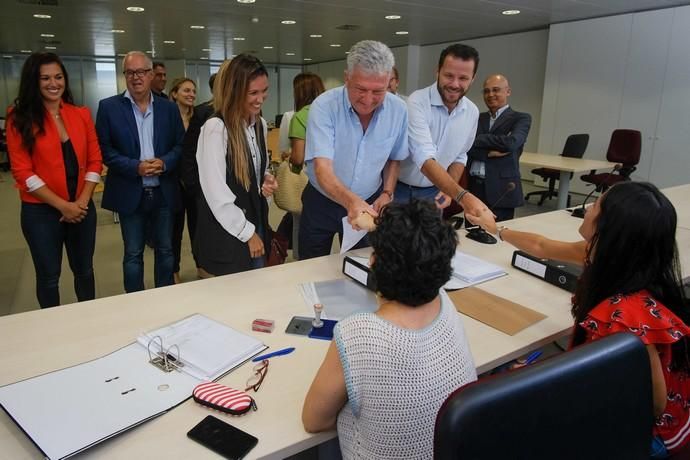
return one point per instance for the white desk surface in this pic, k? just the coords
(562, 163)
(40, 341)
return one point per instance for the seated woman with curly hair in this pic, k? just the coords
(386, 374)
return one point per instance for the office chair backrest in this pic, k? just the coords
(593, 402)
(625, 147)
(575, 145)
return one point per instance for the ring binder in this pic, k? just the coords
(163, 359)
(56, 409)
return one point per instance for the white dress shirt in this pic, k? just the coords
(211, 156)
(436, 134)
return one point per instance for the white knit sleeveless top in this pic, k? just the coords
(396, 381)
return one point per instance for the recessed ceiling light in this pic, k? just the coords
(246, 1)
(239, 39)
(402, 32)
(335, 45)
(51, 47)
(47, 35)
(149, 52)
(510, 12)
(205, 58)
(268, 47)
(316, 35)
(307, 59)
(197, 27)
(288, 22)
(393, 16)
(121, 54)
(169, 42)
(24, 51)
(289, 54)
(7, 57)
(42, 16)
(135, 9)
(117, 31)
(208, 50)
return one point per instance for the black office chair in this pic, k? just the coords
(624, 148)
(594, 402)
(574, 147)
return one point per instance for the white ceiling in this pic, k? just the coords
(84, 28)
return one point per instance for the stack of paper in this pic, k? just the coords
(207, 348)
(469, 270)
(340, 298)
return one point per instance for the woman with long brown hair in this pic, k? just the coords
(56, 162)
(232, 226)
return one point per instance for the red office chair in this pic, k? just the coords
(574, 147)
(624, 148)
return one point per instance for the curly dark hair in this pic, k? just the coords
(28, 112)
(413, 248)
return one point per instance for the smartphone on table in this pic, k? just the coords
(222, 438)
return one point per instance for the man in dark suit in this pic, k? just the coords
(494, 157)
(141, 140)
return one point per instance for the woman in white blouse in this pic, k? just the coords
(232, 226)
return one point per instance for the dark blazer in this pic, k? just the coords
(218, 252)
(509, 134)
(119, 140)
(189, 169)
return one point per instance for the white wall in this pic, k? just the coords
(629, 71)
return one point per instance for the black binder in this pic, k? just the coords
(558, 273)
(359, 273)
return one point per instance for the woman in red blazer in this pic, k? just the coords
(56, 162)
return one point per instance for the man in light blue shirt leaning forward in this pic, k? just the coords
(442, 126)
(356, 137)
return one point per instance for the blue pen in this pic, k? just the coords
(284, 351)
(532, 357)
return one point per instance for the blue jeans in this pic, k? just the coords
(46, 235)
(658, 448)
(152, 210)
(404, 193)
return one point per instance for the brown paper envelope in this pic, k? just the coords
(494, 311)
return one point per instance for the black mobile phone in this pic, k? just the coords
(222, 438)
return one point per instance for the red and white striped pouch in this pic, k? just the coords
(222, 398)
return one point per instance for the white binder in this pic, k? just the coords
(67, 411)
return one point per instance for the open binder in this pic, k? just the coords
(67, 411)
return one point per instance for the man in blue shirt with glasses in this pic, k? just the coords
(356, 138)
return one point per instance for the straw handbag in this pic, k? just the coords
(288, 196)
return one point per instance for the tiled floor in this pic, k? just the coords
(17, 289)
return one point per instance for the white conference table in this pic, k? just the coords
(41, 341)
(566, 166)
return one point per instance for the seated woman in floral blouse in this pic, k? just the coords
(631, 282)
